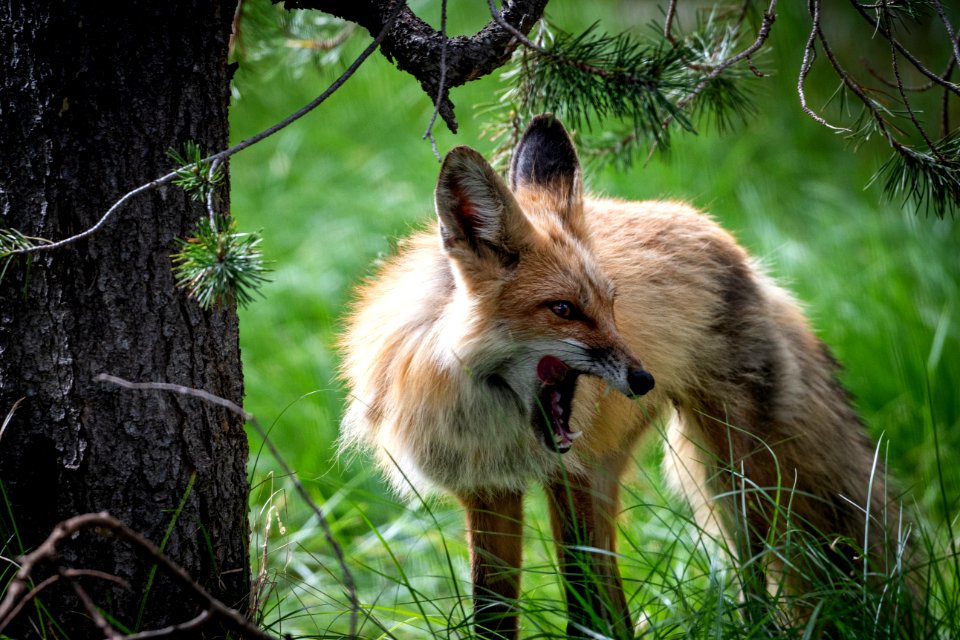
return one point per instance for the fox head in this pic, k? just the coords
(541, 312)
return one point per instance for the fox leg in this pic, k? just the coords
(582, 513)
(494, 534)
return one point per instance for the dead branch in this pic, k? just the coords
(18, 592)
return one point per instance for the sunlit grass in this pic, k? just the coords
(412, 576)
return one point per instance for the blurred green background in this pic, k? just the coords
(333, 192)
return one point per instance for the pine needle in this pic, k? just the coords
(217, 265)
(930, 178)
(194, 175)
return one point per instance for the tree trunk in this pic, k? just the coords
(92, 95)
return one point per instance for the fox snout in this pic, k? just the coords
(640, 381)
(620, 370)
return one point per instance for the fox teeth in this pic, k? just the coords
(573, 435)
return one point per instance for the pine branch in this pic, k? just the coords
(637, 87)
(595, 76)
(930, 179)
(218, 264)
(921, 169)
(196, 175)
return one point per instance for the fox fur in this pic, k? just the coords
(459, 341)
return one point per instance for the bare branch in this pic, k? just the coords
(17, 594)
(443, 80)
(945, 101)
(9, 611)
(950, 31)
(6, 421)
(853, 85)
(67, 572)
(809, 55)
(888, 34)
(173, 630)
(211, 208)
(668, 22)
(105, 627)
(946, 84)
(177, 388)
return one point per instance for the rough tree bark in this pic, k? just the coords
(92, 95)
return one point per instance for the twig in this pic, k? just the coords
(173, 630)
(854, 86)
(348, 581)
(668, 22)
(945, 103)
(953, 88)
(809, 55)
(443, 80)
(949, 28)
(762, 34)
(16, 592)
(68, 572)
(888, 34)
(6, 421)
(150, 186)
(512, 30)
(10, 611)
(109, 632)
(530, 44)
(226, 153)
(211, 210)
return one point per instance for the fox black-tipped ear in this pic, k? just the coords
(546, 157)
(478, 214)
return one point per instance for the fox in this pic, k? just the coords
(534, 333)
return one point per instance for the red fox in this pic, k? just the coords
(534, 334)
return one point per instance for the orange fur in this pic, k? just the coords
(442, 356)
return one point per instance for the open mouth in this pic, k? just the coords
(551, 415)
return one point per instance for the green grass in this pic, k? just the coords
(332, 193)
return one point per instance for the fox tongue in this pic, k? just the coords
(551, 370)
(554, 402)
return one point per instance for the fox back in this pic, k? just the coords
(512, 341)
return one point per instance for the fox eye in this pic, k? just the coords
(563, 309)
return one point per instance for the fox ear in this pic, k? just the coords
(546, 158)
(478, 214)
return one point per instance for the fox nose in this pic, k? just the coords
(640, 381)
